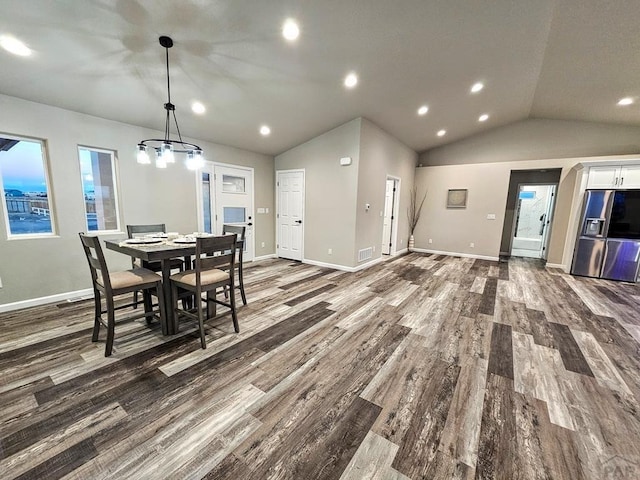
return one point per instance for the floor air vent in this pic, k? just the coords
(365, 254)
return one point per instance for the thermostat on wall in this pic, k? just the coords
(345, 161)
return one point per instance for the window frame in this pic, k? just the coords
(50, 196)
(116, 189)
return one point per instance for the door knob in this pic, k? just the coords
(249, 224)
(298, 221)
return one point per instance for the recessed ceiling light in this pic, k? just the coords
(265, 130)
(476, 87)
(625, 101)
(483, 118)
(351, 80)
(290, 29)
(15, 46)
(197, 107)
(442, 133)
(423, 110)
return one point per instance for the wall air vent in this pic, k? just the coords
(365, 254)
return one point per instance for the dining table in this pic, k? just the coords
(162, 250)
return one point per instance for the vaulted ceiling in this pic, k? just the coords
(565, 59)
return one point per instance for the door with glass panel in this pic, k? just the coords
(233, 192)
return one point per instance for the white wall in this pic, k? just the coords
(381, 155)
(32, 268)
(330, 192)
(453, 230)
(483, 163)
(535, 139)
(335, 216)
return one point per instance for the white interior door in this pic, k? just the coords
(233, 193)
(290, 213)
(387, 223)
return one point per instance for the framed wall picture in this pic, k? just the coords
(457, 198)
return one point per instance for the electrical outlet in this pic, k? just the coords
(266, 210)
(472, 245)
(262, 244)
(0, 282)
(330, 251)
(431, 240)
(374, 248)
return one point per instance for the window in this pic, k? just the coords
(25, 186)
(233, 214)
(99, 188)
(206, 202)
(232, 184)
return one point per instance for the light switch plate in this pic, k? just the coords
(261, 210)
(491, 216)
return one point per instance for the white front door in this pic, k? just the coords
(233, 191)
(290, 213)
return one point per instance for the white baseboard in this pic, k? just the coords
(561, 266)
(343, 267)
(455, 254)
(264, 257)
(35, 302)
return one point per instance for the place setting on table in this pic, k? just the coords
(167, 238)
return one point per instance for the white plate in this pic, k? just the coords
(184, 240)
(143, 241)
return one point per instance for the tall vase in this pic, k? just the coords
(411, 243)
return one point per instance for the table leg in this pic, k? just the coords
(169, 323)
(188, 301)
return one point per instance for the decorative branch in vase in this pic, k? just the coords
(413, 213)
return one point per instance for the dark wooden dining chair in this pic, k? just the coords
(214, 269)
(176, 263)
(240, 232)
(111, 284)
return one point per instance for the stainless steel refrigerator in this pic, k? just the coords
(608, 244)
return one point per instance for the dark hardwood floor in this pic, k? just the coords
(421, 367)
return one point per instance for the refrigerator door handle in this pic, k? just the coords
(604, 257)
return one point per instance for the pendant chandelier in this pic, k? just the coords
(165, 149)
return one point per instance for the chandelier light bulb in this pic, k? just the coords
(161, 162)
(167, 153)
(143, 155)
(199, 159)
(195, 160)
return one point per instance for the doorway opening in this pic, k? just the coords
(518, 179)
(532, 220)
(390, 214)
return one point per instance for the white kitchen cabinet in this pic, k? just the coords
(614, 176)
(629, 176)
